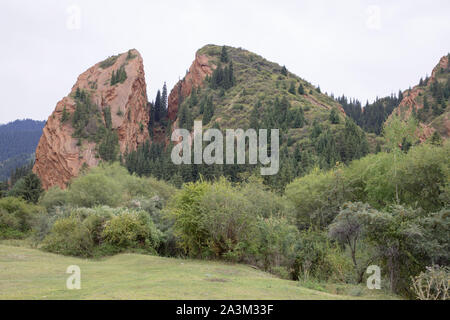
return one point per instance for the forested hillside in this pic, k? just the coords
(247, 91)
(372, 116)
(18, 141)
(427, 102)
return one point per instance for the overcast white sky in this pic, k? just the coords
(361, 48)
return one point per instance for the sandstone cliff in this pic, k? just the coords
(60, 156)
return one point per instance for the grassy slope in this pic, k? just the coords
(32, 274)
(258, 79)
(261, 80)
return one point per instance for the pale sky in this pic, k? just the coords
(363, 49)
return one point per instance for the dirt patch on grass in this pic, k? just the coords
(217, 280)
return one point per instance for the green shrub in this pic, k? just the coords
(106, 249)
(167, 244)
(185, 210)
(148, 187)
(17, 217)
(317, 258)
(316, 197)
(95, 224)
(69, 236)
(229, 221)
(95, 188)
(53, 197)
(265, 203)
(276, 239)
(112, 185)
(131, 229)
(108, 62)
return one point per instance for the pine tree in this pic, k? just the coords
(202, 105)
(107, 115)
(225, 83)
(400, 96)
(436, 139)
(119, 76)
(316, 129)
(231, 81)
(164, 102)
(301, 90)
(436, 109)
(65, 115)
(283, 110)
(426, 105)
(193, 99)
(185, 118)
(123, 74)
(208, 112)
(254, 123)
(158, 107)
(334, 117)
(151, 115)
(292, 88)
(298, 119)
(224, 55)
(222, 77)
(414, 112)
(29, 188)
(109, 146)
(217, 77)
(113, 78)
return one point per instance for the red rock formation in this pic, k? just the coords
(194, 78)
(410, 101)
(58, 157)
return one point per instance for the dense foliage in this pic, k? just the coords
(93, 124)
(372, 117)
(388, 209)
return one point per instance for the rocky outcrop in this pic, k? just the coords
(59, 155)
(412, 101)
(194, 78)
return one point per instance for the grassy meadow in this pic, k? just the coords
(27, 273)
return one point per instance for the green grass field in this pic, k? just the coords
(27, 273)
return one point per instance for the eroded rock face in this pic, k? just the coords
(412, 101)
(193, 79)
(60, 156)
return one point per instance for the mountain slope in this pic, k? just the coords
(18, 141)
(105, 114)
(429, 101)
(231, 88)
(256, 80)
